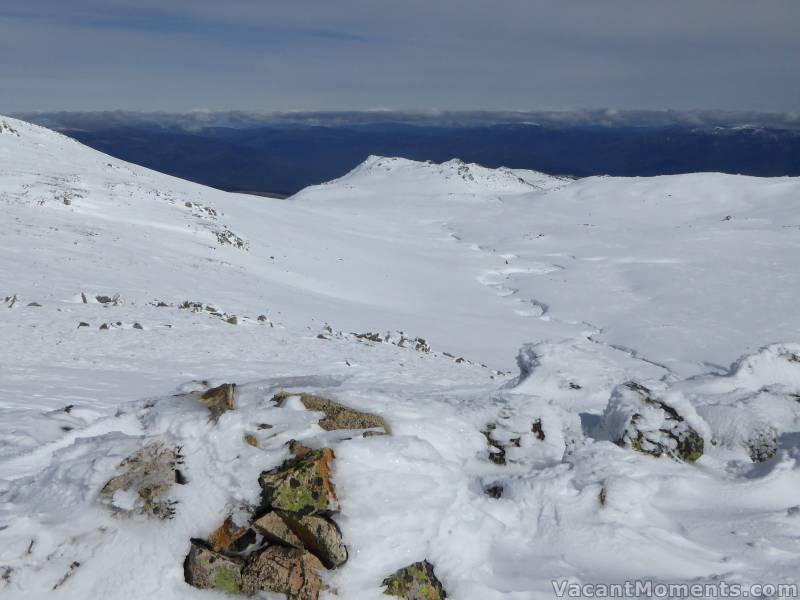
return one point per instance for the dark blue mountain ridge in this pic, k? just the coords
(281, 153)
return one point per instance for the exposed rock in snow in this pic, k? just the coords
(283, 570)
(209, 570)
(636, 417)
(415, 582)
(337, 416)
(219, 400)
(302, 485)
(145, 483)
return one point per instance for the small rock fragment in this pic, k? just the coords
(494, 491)
(229, 538)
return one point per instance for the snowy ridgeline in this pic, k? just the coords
(381, 435)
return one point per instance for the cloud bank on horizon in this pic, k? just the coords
(418, 54)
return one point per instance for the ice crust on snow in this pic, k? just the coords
(599, 282)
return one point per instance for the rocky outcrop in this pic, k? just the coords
(415, 582)
(337, 416)
(289, 544)
(145, 481)
(635, 418)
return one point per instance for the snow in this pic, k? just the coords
(554, 292)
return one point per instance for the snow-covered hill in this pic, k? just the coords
(540, 300)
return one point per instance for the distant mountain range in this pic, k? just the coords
(279, 154)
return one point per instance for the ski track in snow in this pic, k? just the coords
(482, 263)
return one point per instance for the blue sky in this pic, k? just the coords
(409, 55)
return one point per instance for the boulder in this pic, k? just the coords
(301, 485)
(283, 570)
(415, 582)
(635, 418)
(209, 570)
(337, 416)
(219, 400)
(317, 534)
(145, 481)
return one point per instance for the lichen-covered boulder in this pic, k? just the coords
(636, 418)
(337, 416)
(144, 483)
(219, 400)
(209, 570)
(283, 570)
(301, 485)
(415, 582)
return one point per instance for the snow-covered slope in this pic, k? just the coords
(124, 287)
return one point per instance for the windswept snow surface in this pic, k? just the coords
(554, 291)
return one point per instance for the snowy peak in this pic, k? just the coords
(452, 176)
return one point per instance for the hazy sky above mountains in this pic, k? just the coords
(410, 54)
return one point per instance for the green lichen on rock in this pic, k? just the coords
(301, 485)
(415, 582)
(337, 416)
(206, 569)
